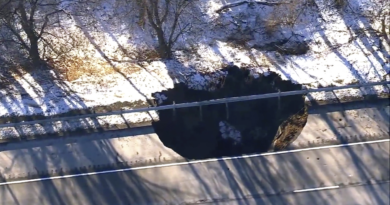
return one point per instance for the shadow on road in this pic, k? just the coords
(258, 177)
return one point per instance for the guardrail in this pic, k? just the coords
(198, 104)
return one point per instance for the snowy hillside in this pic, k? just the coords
(338, 49)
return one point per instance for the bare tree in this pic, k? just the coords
(27, 21)
(379, 10)
(165, 17)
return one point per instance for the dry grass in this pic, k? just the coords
(271, 26)
(72, 54)
(339, 81)
(146, 55)
(353, 82)
(74, 68)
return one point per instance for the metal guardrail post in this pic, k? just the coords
(362, 91)
(200, 113)
(279, 102)
(227, 109)
(174, 110)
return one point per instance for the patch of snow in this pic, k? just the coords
(160, 98)
(228, 131)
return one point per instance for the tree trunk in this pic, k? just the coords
(34, 51)
(142, 13)
(163, 48)
(28, 27)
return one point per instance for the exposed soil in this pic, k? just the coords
(194, 132)
(290, 130)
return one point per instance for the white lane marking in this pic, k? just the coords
(190, 162)
(316, 189)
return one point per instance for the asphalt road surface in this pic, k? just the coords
(338, 123)
(256, 180)
(355, 195)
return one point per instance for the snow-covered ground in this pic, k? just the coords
(341, 52)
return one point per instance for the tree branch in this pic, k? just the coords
(51, 47)
(20, 39)
(178, 13)
(180, 33)
(150, 18)
(23, 15)
(235, 4)
(54, 4)
(5, 4)
(32, 11)
(175, 22)
(167, 2)
(154, 5)
(46, 21)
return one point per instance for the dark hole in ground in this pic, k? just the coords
(264, 124)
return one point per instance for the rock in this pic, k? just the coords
(289, 130)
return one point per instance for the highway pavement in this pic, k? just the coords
(330, 124)
(356, 174)
(355, 195)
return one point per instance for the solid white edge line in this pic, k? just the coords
(191, 162)
(316, 189)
